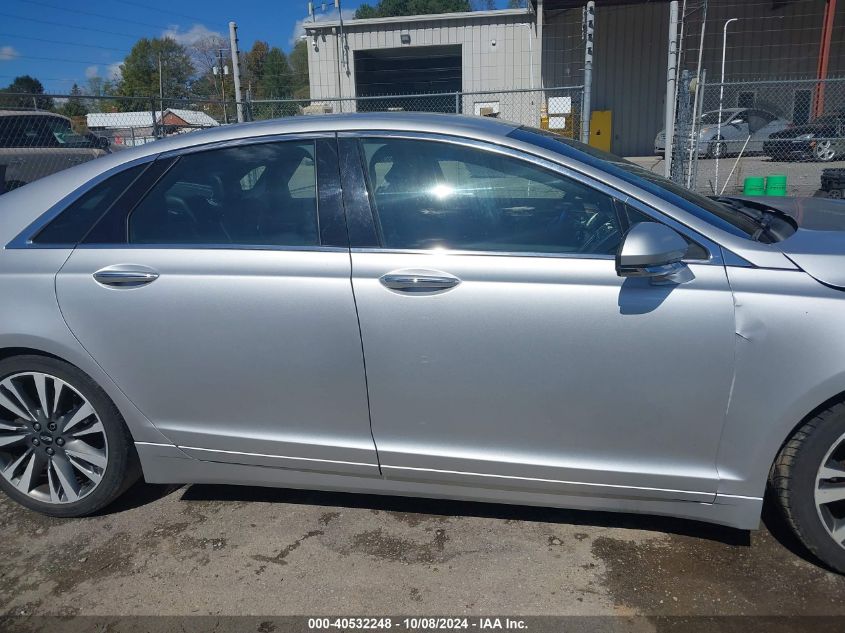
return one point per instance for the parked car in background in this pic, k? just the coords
(420, 305)
(737, 125)
(37, 144)
(822, 139)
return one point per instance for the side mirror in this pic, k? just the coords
(103, 142)
(651, 249)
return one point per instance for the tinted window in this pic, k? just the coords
(39, 131)
(702, 207)
(78, 218)
(429, 195)
(262, 194)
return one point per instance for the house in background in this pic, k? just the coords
(130, 129)
(542, 47)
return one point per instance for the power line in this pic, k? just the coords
(44, 39)
(95, 15)
(62, 59)
(159, 10)
(67, 26)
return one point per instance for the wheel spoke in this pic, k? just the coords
(7, 403)
(11, 426)
(85, 469)
(10, 470)
(86, 452)
(40, 381)
(22, 398)
(830, 494)
(97, 427)
(85, 410)
(67, 478)
(9, 440)
(25, 482)
(58, 386)
(832, 472)
(838, 532)
(51, 483)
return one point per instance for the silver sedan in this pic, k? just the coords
(426, 305)
(742, 130)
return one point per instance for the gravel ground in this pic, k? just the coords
(220, 550)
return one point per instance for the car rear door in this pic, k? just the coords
(217, 295)
(502, 349)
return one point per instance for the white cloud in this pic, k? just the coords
(111, 72)
(8, 53)
(319, 16)
(196, 33)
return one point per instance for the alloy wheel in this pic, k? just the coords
(830, 491)
(53, 446)
(824, 151)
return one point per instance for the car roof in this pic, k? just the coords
(31, 113)
(470, 126)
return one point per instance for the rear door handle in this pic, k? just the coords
(419, 281)
(125, 276)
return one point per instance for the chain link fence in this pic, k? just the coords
(757, 129)
(43, 134)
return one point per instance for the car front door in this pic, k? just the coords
(220, 302)
(502, 349)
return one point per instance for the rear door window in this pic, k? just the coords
(261, 194)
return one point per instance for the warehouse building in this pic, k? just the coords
(470, 59)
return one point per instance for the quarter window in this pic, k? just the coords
(78, 218)
(262, 194)
(429, 194)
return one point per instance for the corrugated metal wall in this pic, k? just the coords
(498, 49)
(771, 40)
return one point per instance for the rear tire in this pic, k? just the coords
(808, 479)
(61, 471)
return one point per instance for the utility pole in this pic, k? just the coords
(236, 69)
(223, 71)
(589, 29)
(160, 90)
(671, 76)
(824, 56)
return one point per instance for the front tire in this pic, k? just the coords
(809, 481)
(64, 448)
(718, 148)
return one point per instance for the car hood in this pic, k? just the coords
(818, 246)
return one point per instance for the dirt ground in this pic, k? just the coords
(220, 550)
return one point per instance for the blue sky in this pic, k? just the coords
(61, 42)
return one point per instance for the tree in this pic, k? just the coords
(254, 61)
(389, 8)
(27, 89)
(74, 106)
(298, 60)
(140, 72)
(276, 80)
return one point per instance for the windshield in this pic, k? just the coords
(715, 213)
(712, 118)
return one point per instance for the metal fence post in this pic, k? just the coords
(457, 103)
(589, 28)
(155, 119)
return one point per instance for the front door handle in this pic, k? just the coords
(125, 276)
(419, 281)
